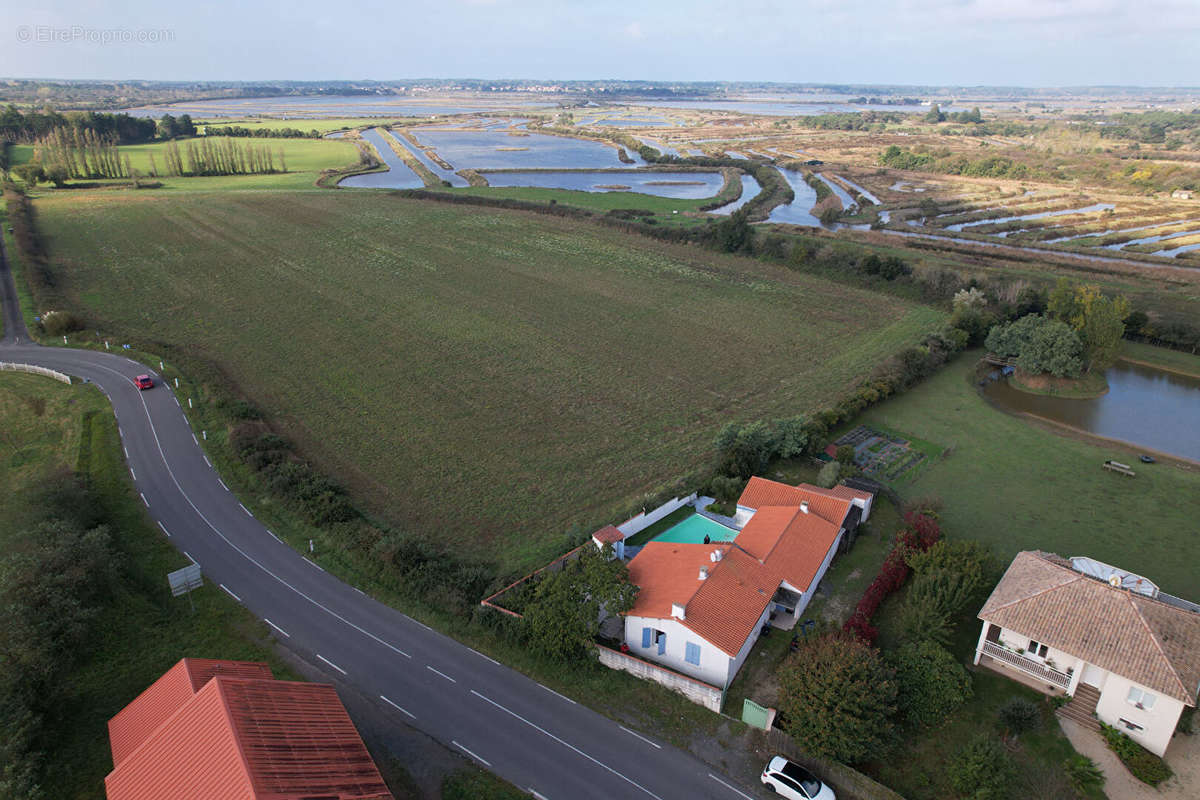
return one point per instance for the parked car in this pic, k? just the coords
(143, 381)
(794, 782)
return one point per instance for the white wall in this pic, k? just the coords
(1158, 723)
(865, 505)
(714, 663)
(634, 524)
(708, 696)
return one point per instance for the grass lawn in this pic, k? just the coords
(46, 427)
(663, 207)
(1174, 360)
(1017, 486)
(490, 377)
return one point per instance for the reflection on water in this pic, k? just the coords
(797, 212)
(1145, 406)
(678, 185)
(398, 176)
(498, 150)
(750, 189)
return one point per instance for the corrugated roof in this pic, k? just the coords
(1135, 636)
(165, 696)
(245, 737)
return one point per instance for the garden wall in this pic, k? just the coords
(849, 783)
(697, 691)
(647, 518)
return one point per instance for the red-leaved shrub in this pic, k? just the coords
(920, 533)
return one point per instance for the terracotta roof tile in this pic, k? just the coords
(668, 572)
(608, 535)
(1133, 635)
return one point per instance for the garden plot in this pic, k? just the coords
(887, 455)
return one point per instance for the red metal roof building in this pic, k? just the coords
(227, 730)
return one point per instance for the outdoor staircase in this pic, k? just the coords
(1082, 708)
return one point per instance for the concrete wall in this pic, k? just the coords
(698, 692)
(49, 373)
(1157, 724)
(634, 524)
(715, 664)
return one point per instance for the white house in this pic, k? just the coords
(1125, 651)
(701, 606)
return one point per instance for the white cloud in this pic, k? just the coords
(634, 30)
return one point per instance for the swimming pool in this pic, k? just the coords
(694, 529)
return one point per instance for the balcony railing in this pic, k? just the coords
(1031, 666)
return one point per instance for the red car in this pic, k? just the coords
(143, 381)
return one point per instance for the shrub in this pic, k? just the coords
(948, 576)
(845, 454)
(58, 323)
(1083, 773)
(920, 533)
(920, 622)
(981, 770)
(1141, 763)
(837, 696)
(1019, 716)
(930, 682)
(827, 478)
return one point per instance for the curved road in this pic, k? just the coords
(535, 738)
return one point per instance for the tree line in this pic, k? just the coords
(31, 126)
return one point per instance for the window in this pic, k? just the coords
(647, 633)
(1133, 726)
(692, 656)
(660, 638)
(1036, 649)
(1140, 698)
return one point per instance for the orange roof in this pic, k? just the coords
(608, 535)
(667, 572)
(841, 491)
(781, 542)
(168, 694)
(242, 738)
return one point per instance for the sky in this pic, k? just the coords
(905, 42)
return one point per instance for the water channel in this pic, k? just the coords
(398, 176)
(1144, 406)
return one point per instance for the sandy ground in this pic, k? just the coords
(1183, 756)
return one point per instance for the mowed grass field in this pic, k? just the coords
(1018, 486)
(489, 377)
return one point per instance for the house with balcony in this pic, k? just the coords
(1127, 653)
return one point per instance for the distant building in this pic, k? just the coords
(1126, 652)
(1182, 194)
(226, 730)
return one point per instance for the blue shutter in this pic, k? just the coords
(693, 654)
(662, 644)
(646, 634)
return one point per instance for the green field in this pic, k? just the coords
(305, 159)
(47, 427)
(1017, 486)
(663, 207)
(488, 377)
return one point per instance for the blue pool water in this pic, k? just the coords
(693, 530)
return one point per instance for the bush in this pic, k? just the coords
(1141, 763)
(845, 454)
(981, 770)
(948, 576)
(837, 696)
(1083, 773)
(827, 478)
(920, 533)
(1019, 716)
(930, 682)
(58, 323)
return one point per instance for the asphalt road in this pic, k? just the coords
(537, 739)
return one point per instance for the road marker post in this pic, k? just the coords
(64, 340)
(106, 345)
(189, 402)
(205, 435)
(177, 383)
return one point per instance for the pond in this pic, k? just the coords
(499, 150)
(784, 108)
(799, 211)
(324, 106)
(1039, 215)
(398, 176)
(1144, 406)
(678, 185)
(750, 188)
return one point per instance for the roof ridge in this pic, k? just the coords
(1038, 593)
(223, 699)
(1157, 644)
(782, 533)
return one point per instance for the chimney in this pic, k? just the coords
(804, 506)
(703, 573)
(677, 610)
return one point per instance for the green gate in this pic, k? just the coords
(755, 715)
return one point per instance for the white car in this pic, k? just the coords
(794, 781)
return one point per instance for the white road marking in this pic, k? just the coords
(536, 794)
(194, 439)
(472, 755)
(313, 563)
(206, 461)
(164, 529)
(234, 547)
(444, 675)
(422, 624)
(144, 500)
(398, 708)
(126, 449)
(360, 591)
(189, 558)
(568, 745)
(330, 663)
(223, 486)
(276, 538)
(738, 792)
(489, 658)
(231, 594)
(276, 627)
(133, 474)
(246, 510)
(655, 745)
(563, 696)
